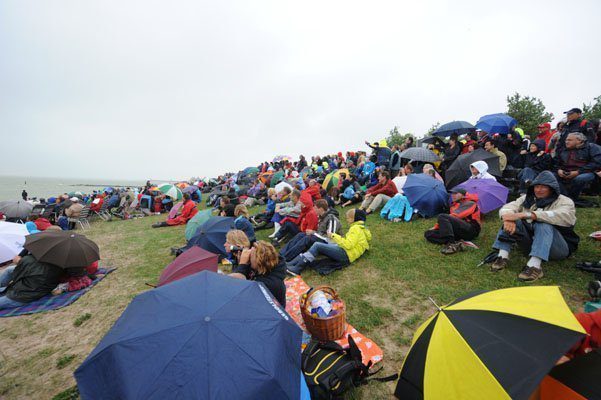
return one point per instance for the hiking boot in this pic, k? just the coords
(499, 264)
(275, 243)
(530, 274)
(452, 248)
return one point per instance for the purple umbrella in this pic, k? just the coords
(190, 189)
(491, 194)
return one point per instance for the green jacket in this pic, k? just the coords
(32, 279)
(356, 240)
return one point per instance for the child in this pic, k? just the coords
(242, 223)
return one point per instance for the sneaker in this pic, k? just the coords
(294, 270)
(275, 243)
(499, 264)
(530, 274)
(452, 248)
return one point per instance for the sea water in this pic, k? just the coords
(12, 186)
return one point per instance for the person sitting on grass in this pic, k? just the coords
(379, 194)
(242, 223)
(313, 189)
(290, 226)
(542, 223)
(328, 223)
(235, 241)
(462, 223)
(262, 263)
(262, 220)
(189, 210)
(342, 252)
(290, 208)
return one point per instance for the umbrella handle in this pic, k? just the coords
(152, 286)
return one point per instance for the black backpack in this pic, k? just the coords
(331, 370)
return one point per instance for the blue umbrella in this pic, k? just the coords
(108, 189)
(206, 336)
(458, 127)
(496, 123)
(211, 234)
(426, 194)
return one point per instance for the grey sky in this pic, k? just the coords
(173, 89)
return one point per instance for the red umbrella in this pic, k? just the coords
(189, 262)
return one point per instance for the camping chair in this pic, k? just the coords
(83, 219)
(49, 213)
(37, 211)
(103, 214)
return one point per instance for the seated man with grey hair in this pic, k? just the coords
(576, 163)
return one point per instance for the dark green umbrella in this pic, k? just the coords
(276, 178)
(62, 248)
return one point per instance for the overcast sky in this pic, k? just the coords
(173, 89)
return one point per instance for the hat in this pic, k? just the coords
(545, 125)
(573, 110)
(458, 190)
(74, 199)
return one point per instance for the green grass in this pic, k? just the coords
(386, 292)
(65, 360)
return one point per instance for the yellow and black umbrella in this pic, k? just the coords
(333, 178)
(489, 345)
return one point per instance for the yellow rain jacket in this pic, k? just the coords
(356, 240)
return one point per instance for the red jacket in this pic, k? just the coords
(389, 189)
(591, 322)
(42, 224)
(313, 191)
(307, 220)
(546, 136)
(467, 209)
(188, 211)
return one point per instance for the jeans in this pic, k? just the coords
(451, 229)
(573, 187)
(289, 228)
(330, 250)
(526, 174)
(299, 244)
(5, 278)
(538, 239)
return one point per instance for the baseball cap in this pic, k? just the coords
(573, 110)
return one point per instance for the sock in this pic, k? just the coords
(534, 262)
(503, 254)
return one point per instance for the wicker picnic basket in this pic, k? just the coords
(325, 329)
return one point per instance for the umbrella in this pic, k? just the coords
(281, 158)
(250, 171)
(171, 190)
(426, 194)
(280, 186)
(457, 127)
(459, 171)
(182, 185)
(420, 154)
(265, 177)
(62, 248)
(579, 379)
(108, 189)
(496, 123)
(432, 140)
(489, 345)
(305, 172)
(491, 194)
(207, 336)
(195, 222)
(333, 178)
(211, 235)
(12, 238)
(19, 209)
(189, 262)
(174, 210)
(276, 178)
(190, 189)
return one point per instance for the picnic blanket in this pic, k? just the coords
(51, 302)
(295, 287)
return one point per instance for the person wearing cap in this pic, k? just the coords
(574, 123)
(541, 222)
(462, 223)
(545, 133)
(576, 164)
(341, 251)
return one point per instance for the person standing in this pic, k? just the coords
(24, 194)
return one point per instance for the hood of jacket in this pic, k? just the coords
(481, 166)
(545, 178)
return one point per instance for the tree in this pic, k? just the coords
(592, 111)
(433, 128)
(395, 137)
(530, 112)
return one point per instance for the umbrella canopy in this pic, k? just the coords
(211, 235)
(420, 154)
(16, 208)
(12, 239)
(459, 171)
(579, 379)
(496, 123)
(432, 140)
(182, 340)
(62, 248)
(193, 224)
(189, 262)
(175, 209)
(171, 190)
(190, 189)
(426, 194)
(333, 178)
(182, 185)
(457, 127)
(305, 172)
(282, 157)
(280, 186)
(250, 171)
(276, 178)
(491, 194)
(265, 177)
(108, 189)
(493, 345)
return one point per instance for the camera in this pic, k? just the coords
(236, 248)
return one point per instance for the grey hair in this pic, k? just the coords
(578, 135)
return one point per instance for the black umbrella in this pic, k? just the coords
(432, 140)
(576, 379)
(459, 171)
(62, 248)
(16, 208)
(420, 154)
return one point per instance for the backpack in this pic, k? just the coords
(331, 370)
